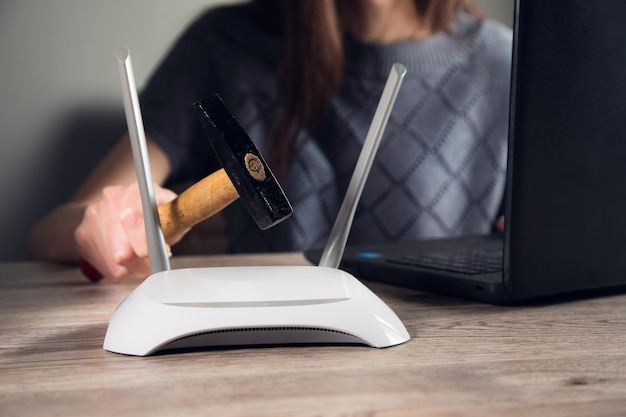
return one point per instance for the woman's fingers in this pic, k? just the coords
(112, 238)
(102, 240)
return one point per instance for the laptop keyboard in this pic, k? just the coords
(466, 261)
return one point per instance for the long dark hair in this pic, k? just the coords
(312, 63)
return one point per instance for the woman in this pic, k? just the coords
(303, 78)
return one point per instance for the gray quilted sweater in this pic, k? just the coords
(440, 170)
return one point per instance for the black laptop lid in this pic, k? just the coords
(566, 199)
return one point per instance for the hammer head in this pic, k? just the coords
(251, 176)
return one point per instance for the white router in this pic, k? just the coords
(260, 305)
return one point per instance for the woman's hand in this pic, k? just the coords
(500, 224)
(111, 236)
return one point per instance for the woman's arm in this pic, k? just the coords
(53, 238)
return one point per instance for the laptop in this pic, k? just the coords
(565, 203)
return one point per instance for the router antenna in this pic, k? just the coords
(333, 252)
(157, 252)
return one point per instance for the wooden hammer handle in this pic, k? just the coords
(199, 202)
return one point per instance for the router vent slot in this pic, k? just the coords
(275, 335)
(267, 329)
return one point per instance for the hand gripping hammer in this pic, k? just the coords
(244, 174)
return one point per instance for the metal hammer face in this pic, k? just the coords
(249, 173)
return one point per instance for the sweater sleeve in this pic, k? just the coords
(227, 50)
(167, 103)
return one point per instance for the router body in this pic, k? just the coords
(261, 305)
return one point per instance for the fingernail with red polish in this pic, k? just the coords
(89, 271)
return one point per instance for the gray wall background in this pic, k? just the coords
(60, 103)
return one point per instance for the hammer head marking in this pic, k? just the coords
(254, 181)
(255, 167)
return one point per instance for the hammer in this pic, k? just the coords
(244, 174)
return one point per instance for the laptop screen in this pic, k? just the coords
(567, 148)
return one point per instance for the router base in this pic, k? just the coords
(261, 305)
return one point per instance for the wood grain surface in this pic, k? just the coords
(465, 358)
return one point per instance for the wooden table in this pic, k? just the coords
(464, 358)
